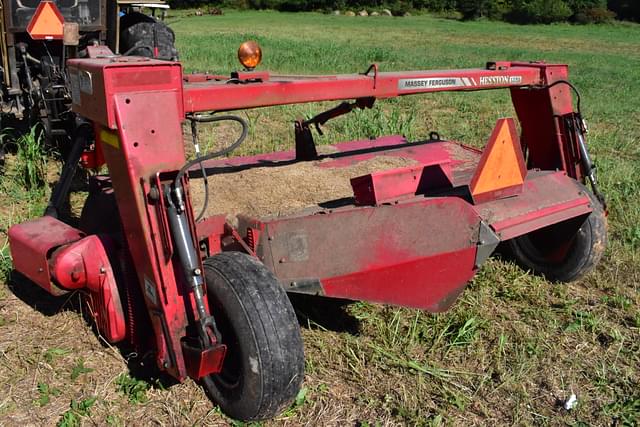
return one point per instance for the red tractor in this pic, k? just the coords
(207, 295)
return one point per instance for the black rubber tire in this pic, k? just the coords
(264, 365)
(137, 37)
(2, 159)
(581, 243)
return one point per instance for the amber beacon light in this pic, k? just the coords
(250, 54)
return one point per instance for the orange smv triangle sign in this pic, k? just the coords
(47, 22)
(501, 170)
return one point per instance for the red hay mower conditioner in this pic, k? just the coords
(207, 296)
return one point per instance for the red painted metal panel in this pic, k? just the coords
(146, 145)
(95, 82)
(211, 230)
(350, 152)
(544, 217)
(31, 243)
(375, 243)
(539, 112)
(431, 283)
(85, 265)
(350, 239)
(201, 363)
(380, 187)
(547, 198)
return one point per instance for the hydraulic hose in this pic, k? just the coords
(579, 126)
(180, 230)
(575, 90)
(200, 159)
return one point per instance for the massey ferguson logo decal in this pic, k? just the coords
(435, 83)
(455, 82)
(431, 83)
(500, 80)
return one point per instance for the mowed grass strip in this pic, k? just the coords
(509, 352)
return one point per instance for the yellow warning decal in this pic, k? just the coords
(110, 138)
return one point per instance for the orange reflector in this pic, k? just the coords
(47, 22)
(501, 170)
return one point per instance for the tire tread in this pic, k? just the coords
(274, 327)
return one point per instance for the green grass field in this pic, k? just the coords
(509, 352)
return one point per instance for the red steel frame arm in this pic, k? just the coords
(139, 141)
(542, 113)
(544, 107)
(540, 108)
(280, 90)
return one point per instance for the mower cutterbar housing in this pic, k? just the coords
(410, 236)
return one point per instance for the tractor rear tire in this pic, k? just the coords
(566, 251)
(264, 365)
(137, 37)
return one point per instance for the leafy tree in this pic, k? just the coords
(435, 5)
(494, 9)
(625, 9)
(521, 11)
(472, 9)
(539, 11)
(585, 5)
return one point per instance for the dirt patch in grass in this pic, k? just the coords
(281, 190)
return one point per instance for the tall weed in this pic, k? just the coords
(31, 158)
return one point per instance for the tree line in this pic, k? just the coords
(518, 11)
